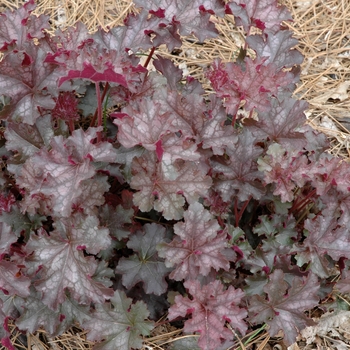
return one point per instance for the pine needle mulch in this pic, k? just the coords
(323, 30)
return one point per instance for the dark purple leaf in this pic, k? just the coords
(145, 265)
(324, 236)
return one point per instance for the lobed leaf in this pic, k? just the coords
(285, 305)
(198, 246)
(118, 324)
(211, 307)
(145, 266)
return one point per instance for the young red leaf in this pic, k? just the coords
(145, 265)
(118, 324)
(284, 307)
(211, 307)
(198, 246)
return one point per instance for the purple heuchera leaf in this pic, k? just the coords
(325, 236)
(59, 262)
(145, 265)
(55, 179)
(12, 282)
(276, 48)
(94, 62)
(35, 314)
(164, 194)
(211, 307)
(17, 27)
(285, 305)
(28, 81)
(144, 126)
(198, 246)
(92, 194)
(115, 220)
(343, 285)
(119, 327)
(191, 16)
(329, 173)
(24, 139)
(215, 134)
(285, 169)
(156, 131)
(280, 123)
(4, 330)
(261, 14)
(255, 84)
(239, 176)
(7, 237)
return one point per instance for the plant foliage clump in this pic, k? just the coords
(120, 185)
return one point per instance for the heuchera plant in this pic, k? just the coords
(120, 184)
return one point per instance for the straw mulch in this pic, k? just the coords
(322, 27)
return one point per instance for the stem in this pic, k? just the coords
(71, 125)
(236, 212)
(234, 120)
(99, 110)
(298, 205)
(93, 120)
(238, 215)
(149, 57)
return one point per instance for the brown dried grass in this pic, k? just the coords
(323, 30)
